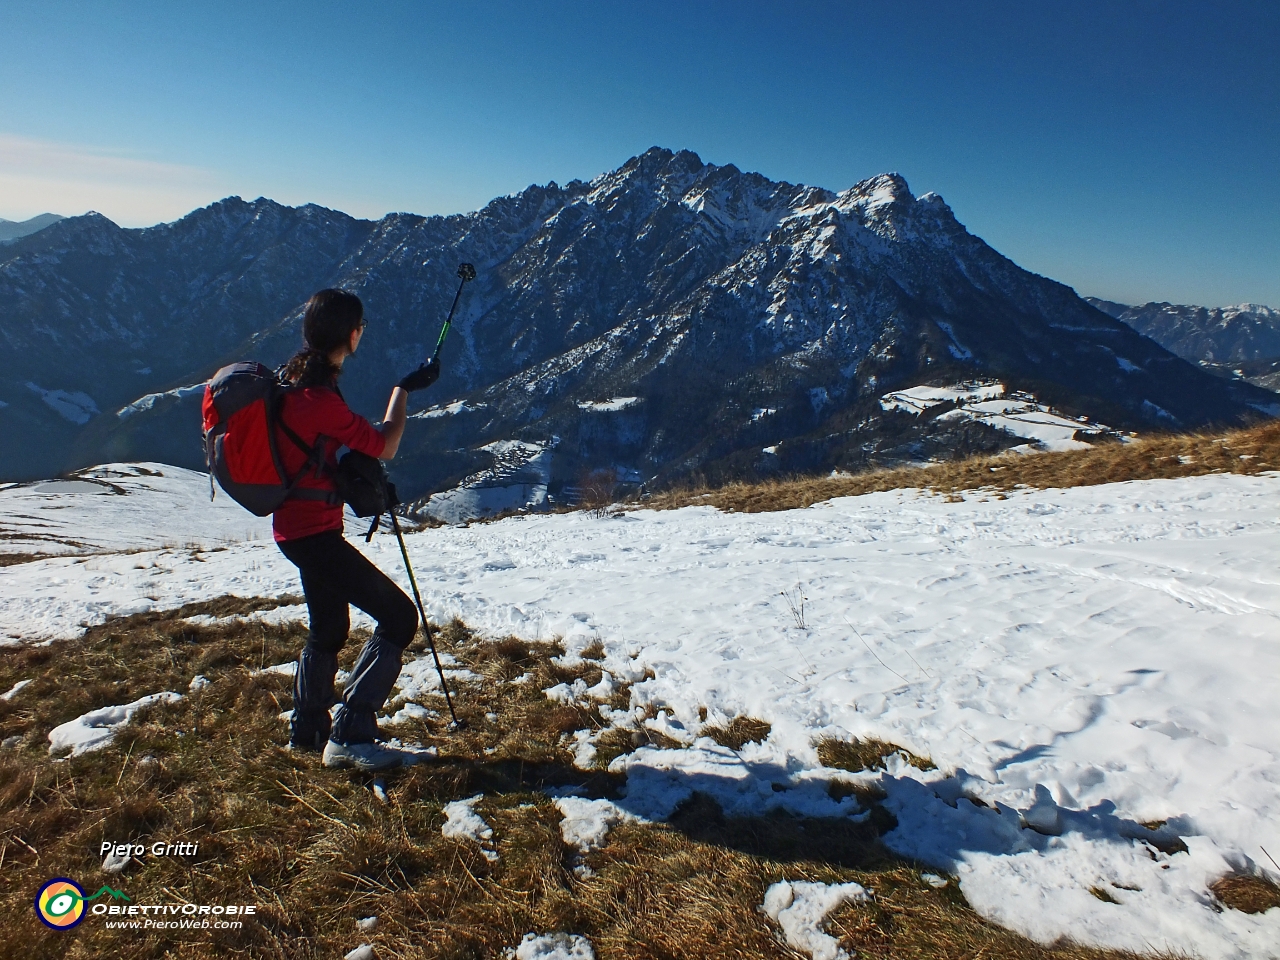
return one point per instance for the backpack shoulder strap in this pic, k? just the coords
(315, 454)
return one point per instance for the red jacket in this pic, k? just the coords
(311, 412)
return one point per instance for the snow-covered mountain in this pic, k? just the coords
(1247, 331)
(1236, 342)
(752, 326)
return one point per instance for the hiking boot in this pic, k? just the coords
(361, 756)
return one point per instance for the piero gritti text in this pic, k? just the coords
(160, 848)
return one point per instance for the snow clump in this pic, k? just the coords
(800, 908)
(95, 729)
(552, 946)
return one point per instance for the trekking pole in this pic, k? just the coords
(465, 272)
(426, 627)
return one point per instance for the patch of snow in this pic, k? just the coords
(608, 406)
(919, 399)
(13, 691)
(1019, 414)
(286, 669)
(800, 909)
(567, 693)
(447, 410)
(463, 823)
(198, 683)
(760, 412)
(410, 711)
(150, 400)
(955, 347)
(1128, 366)
(1155, 410)
(76, 407)
(1024, 417)
(772, 451)
(552, 946)
(818, 398)
(517, 480)
(95, 729)
(367, 924)
(162, 506)
(362, 952)
(419, 677)
(586, 823)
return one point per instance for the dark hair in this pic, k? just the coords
(327, 323)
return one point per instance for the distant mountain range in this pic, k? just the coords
(669, 319)
(13, 229)
(1238, 342)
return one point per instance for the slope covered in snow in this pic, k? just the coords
(1080, 665)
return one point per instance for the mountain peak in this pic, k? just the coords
(878, 191)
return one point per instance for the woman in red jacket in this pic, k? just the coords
(334, 573)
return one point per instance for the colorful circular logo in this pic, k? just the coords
(60, 903)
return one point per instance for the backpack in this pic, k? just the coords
(241, 412)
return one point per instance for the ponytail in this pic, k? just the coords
(311, 368)
(327, 323)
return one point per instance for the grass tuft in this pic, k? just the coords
(739, 732)
(1247, 893)
(858, 755)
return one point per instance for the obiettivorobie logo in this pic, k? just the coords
(60, 902)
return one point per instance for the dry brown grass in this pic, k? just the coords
(12, 559)
(1250, 451)
(1247, 893)
(858, 755)
(316, 850)
(739, 732)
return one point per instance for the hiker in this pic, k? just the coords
(309, 531)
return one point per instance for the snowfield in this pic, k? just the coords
(1083, 662)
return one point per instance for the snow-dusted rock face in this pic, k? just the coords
(1247, 331)
(703, 292)
(1240, 342)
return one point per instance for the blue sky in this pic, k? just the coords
(1129, 149)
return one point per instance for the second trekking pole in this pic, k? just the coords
(426, 627)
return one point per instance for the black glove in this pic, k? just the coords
(423, 377)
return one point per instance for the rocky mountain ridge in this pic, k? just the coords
(752, 326)
(1246, 331)
(1237, 342)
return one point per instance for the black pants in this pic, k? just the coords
(335, 575)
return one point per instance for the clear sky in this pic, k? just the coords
(1129, 148)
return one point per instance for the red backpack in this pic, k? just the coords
(241, 415)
